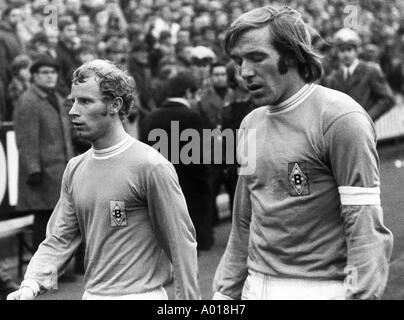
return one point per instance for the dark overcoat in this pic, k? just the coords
(193, 178)
(368, 86)
(44, 145)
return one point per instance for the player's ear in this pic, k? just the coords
(116, 105)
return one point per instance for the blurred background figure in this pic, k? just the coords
(371, 53)
(231, 118)
(43, 140)
(66, 51)
(216, 96)
(139, 69)
(116, 50)
(363, 81)
(181, 90)
(165, 71)
(19, 83)
(10, 47)
(39, 46)
(86, 53)
(7, 285)
(201, 60)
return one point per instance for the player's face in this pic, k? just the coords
(89, 112)
(257, 62)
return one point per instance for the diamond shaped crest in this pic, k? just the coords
(298, 179)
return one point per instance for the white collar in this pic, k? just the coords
(180, 100)
(101, 154)
(352, 67)
(294, 100)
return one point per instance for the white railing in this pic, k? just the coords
(391, 124)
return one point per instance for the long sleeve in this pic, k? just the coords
(63, 238)
(232, 270)
(27, 124)
(354, 161)
(174, 229)
(383, 94)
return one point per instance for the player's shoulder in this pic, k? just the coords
(77, 160)
(255, 115)
(146, 157)
(149, 162)
(334, 106)
(333, 103)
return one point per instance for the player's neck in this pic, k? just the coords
(295, 84)
(116, 135)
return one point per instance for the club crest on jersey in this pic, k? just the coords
(117, 213)
(298, 179)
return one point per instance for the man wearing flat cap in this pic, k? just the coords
(363, 81)
(201, 59)
(43, 139)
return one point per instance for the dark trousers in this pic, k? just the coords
(218, 176)
(200, 212)
(79, 259)
(41, 219)
(6, 284)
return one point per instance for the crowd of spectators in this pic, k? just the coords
(154, 38)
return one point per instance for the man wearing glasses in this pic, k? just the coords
(44, 145)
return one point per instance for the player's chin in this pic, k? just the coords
(261, 100)
(81, 133)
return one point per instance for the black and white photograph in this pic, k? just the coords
(208, 150)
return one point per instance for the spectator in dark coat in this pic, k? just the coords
(232, 116)
(363, 81)
(44, 145)
(138, 67)
(39, 46)
(214, 98)
(176, 111)
(66, 52)
(19, 83)
(397, 78)
(10, 47)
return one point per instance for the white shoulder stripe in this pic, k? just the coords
(357, 196)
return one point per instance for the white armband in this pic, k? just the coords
(358, 196)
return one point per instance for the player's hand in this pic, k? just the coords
(25, 293)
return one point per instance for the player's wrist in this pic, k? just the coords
(220, 296)
(31, 284)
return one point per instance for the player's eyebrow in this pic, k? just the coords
(82, 97)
